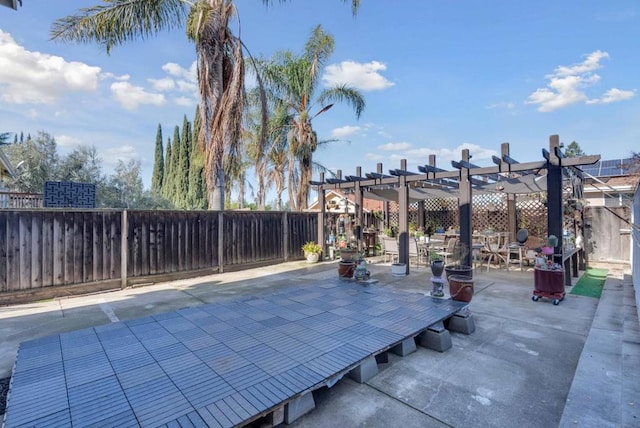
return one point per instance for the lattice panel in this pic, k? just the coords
(531, 214)
(489, 211)
(66, 194)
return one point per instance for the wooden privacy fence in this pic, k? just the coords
(42, 249)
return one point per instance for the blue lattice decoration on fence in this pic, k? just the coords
(65, 194)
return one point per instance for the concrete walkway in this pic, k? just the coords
(517, 369)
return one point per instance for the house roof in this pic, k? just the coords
(368, 205)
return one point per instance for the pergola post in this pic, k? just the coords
(554, 192)
(322, 200)
(403, 218)
(359, 212)
(464, 210)
(512, 214)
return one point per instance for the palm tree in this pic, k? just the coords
(219, 58)
(294, 81)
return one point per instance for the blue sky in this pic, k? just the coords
(437, 75)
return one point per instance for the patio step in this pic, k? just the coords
(606, 386)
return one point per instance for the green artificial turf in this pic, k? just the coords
(591, 283)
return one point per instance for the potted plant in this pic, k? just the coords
(460, 251)
(437, 263)
(312, 251)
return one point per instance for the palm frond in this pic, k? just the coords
(119, 21)
(344, 93)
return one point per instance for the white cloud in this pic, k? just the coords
(363, 76)
(130, 96)
(591, 63)
(395, 146)
(185, 101)
(567, 86)
(503, 105)
(124, 153)
(444, 155)
(163, 85)
(39, 78)
(374, 157)
(344, 131)
(613, 95)
(67, 141)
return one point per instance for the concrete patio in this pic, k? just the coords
(528, 363)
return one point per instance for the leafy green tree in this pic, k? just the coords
(38, 160)
(573, 150)
(294, 80)
(82, 165)
(124, 189)
(158, 164)
(219, 58)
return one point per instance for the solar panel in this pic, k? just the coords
(608, 168)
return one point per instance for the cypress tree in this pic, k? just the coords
(185, 158)
(176, 170)
(15, 138)
(168, 172)
(21, 137)
(158, 164)
(197, 197)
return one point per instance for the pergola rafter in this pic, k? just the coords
(506, 172)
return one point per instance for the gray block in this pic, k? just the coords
(437, 340)
(405, 347)
(365, 371)
(461, 324)
(276, 417)
(298, 407)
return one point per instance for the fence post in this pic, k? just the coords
(220, 241)
(285, 235)
(124, 249)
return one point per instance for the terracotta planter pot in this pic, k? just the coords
(346, 269)
(458, 270)
(347, 255)
(461, 288)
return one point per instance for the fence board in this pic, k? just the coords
(98, 246)
(47, 250)
(36, 251)
(3, 251)
(25, 252)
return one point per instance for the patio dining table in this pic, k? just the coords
(493, 246)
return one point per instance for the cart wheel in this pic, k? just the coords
(535, 298)
(556, 301)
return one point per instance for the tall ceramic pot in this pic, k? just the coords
(461, 288)
(437, 267)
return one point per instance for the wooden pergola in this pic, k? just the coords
(463, 179)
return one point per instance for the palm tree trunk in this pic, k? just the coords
(306, 173)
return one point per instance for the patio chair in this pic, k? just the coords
(414, 251)
(516, 250)
(391, 249)
(449, 251)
